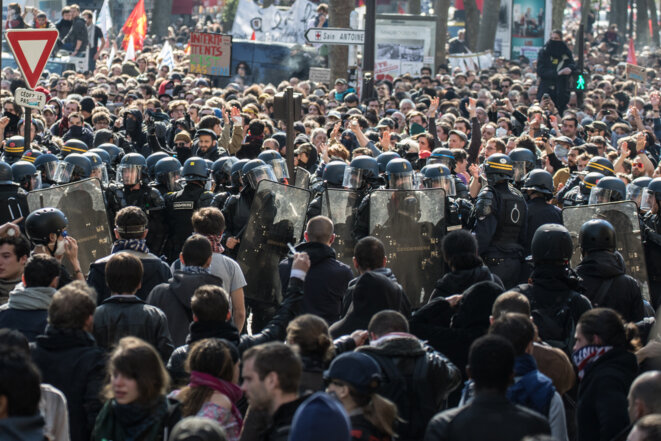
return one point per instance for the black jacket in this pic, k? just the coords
(488, 417)
(70, 361)
(368, 294)
(122, 316)
(456, 282)
(155, 271)
(281, 421)
(173, 298)
(623, 295)
(325, 283)
(601, 409)
(540, 213)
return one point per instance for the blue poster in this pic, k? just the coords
(529, 22)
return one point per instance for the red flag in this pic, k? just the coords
(361, 3)
(135, 25)
(400, 10)
(631, 53)
(253, 37)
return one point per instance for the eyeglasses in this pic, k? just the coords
(638, 165)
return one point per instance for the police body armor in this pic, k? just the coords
(511, 217)
(237, 213)
(180, 207)
(652, 243)
(13, 203)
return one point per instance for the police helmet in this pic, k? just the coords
(334, 174)
(73, 146)
(221, 170)
(255, 171)
(439, 176)
(99, 170)
(597, 234)
(195, 169)
(524, 162)
(498, 167)
(442, 156)
(73, 168)
(6, 174)
(236, 172)
(361, 171)
(105, 157)
(167, 171)
(540, 181)
(608, 189)
(131, 169)
(552, 243)
(30, 155)
(400, 174)
(636, 188)
(652, 195)
(47, 165)
(589, 182)
(116, 154)
(601, 165)
(277, 163)
(13, 149)
(152, 160)
(42, 222)
(26, 175)
(384, 158)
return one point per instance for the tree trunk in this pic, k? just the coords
(339, 11)
(488, 25)
(558, 13)
(472, 23)
(618, 16)
(585, 12)
(442, 9)
(651, 4)
(414, 7)
(642, 24)
(161, 18)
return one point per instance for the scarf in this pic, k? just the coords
(137, 419)
(194, 269)
(30, 299)
(130, 244)
(216, 246)
(231, 391)
(587, 356)
(531, 389)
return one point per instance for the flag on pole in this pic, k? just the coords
(130, 50)
(104, 20)
(631, 53)
(166, 56)
(135, 26)
(113, 52)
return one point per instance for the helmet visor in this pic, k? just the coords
(354, 178)
(48, 170)
(520, 170)
(64, 173)
(603, 195)
(170, 180)
(100, 172)
(648, 200)
(444, 182)
(35, 181)
(635, 193)
(440, 160)
(279, 169)
(402, 181)
(128, 174)
(258, 174)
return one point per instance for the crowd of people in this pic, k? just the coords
(212, 318)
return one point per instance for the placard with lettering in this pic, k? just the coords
(210, 54)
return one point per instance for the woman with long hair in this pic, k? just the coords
(309, 333)
(353, 378)
(213, 391)
(606, 368)
(136, 408)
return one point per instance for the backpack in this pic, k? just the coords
(555, 322)
(411, 392)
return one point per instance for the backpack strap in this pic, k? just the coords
(600, 296)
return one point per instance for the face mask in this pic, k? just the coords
(561, 152)
(131, 125)
(76, 130)
(500, 132)
(59, 250)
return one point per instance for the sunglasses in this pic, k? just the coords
(638, 164)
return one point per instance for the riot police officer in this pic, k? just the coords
(608, 189)
(446, 157)
(26, 175)
(580, 194)
(46, 164)
(73, 146)
(152, 160)
(524, 162)
(180, 205)
(73, 168)
(362, 175)
(332, 177)
(651, 202)
(99, 170)
(13, 149)
(384, 158)
(221, 172)
(167, 172)
(457, 210)
(132, 188)
(13, 199)
(598, 164)
(636, 189)
(538, 186)
(277, 163)
(500, 219)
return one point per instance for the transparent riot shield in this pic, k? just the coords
(301, 178)
(411, 225)
(340, 206)
(624, 217)
(277, 217)
(84, 205)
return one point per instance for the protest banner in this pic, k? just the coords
(210, 54)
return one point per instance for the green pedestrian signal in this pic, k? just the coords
(580, 82)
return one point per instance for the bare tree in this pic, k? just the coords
(558, 13)
(618, 16)
(488, 25)
(642, 23)
(651, 4)
(472, 23)
(339, 11)
(441, 10)
(161, 18)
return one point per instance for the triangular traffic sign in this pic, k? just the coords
(32, 48)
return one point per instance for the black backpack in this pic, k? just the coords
(411, 392)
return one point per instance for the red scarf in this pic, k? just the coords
(586, 356)
(216, 246)
(230, 390)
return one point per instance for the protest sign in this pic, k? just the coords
(210, 54)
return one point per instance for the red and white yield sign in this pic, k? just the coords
(32, 48)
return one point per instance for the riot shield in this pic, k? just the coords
(411, 225)
(301, 178)
(624, 217)
(277, 217)
(340, 206)
(83, 204)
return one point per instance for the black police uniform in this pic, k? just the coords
(237, 213)
(500, 229)
(540, 212)
(13, 203)
(179, 209)
(652, 242)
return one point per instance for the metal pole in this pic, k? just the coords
(368, 50)
(27, 126)
(289, 121)
(581, 57)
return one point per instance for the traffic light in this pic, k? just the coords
(580, 81)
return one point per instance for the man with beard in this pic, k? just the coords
(555, 64)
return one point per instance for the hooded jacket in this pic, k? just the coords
(326, 282)
(173, 298)
(24, 428)
(138, 142)
(27, 310)
(623, 295)
(456, 282)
